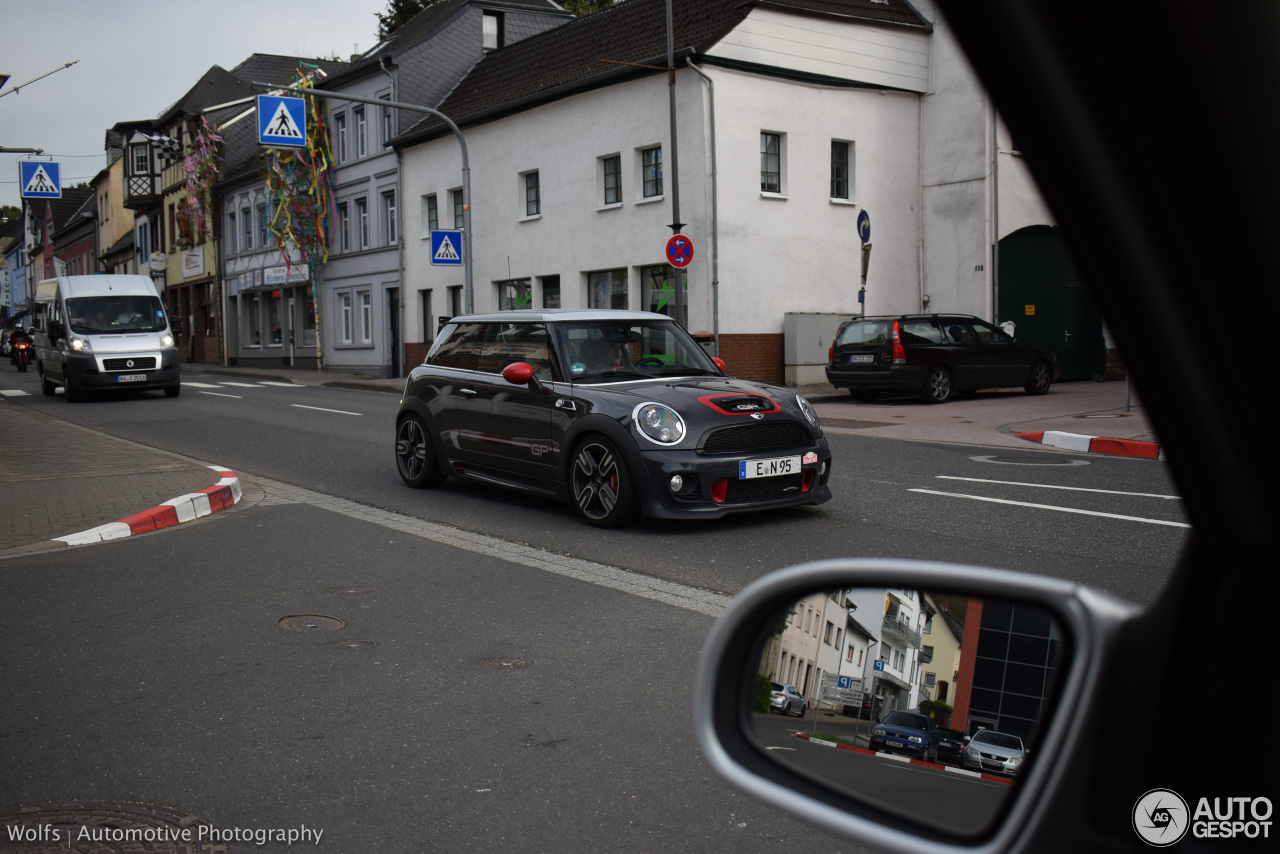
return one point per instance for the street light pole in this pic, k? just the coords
(468, 294)
(676, 224)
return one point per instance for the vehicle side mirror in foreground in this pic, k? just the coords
(1019, 655)
(518, 373)
(719, 363)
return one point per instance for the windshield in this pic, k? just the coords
(98, 315)
(907, 719)
(999, 739)
(611, 350)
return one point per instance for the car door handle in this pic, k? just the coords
(563, 403)
(467, 391)
(1066, 336)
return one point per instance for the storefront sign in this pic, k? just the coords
(276, 276)
(192, 263)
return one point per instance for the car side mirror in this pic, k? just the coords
(521, 373)
(719, 363)
(847, 773)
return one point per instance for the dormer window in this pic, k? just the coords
(493, 30)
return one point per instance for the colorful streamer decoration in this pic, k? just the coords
(201, 167)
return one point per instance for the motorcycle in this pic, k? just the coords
(22, 354)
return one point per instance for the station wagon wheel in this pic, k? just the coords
(603, 493)
(1040, 378)
(937, 388)
(415, 459)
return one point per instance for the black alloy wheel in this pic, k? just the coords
(937, 388)
(414, 458)
(47, 388)
(69, 392)
(173, 390)
(602, 491)
(1040, 378)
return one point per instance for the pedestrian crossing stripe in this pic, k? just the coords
(446, 252)
(13, 392)
(283, 125)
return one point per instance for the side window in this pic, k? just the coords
(957, 332)
(988, 334)
(920, 332)
(508, 343)
(462, 349)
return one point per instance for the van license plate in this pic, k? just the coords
(131, 378)
(768, 468)
(861, 357)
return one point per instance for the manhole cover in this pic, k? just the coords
(107, 826)
(310, 623)
(1045, 460)
(507, 663)
(355, 644)
(351, 591)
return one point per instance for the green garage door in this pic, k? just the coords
(1042, 294)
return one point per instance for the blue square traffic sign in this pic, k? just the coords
(446, 248)
(282, 121)
(39, 179)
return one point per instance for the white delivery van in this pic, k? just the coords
(98, 332)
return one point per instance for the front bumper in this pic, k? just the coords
(897, 744)
(712, 486)
(85, 370)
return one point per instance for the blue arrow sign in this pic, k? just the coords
(282, 121)
(446, 248)
(864, 225)
(39, 179)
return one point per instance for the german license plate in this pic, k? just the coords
(131, 378)
(895, 744)
(768, 468)
(861, 357)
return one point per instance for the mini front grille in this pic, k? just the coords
(763, 488)
(750, 438)
(142, 363)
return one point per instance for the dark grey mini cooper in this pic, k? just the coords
(618, 412)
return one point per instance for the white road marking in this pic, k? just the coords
(240, 385)
(1071, 488)
(217, 394)
(322, 409)
(1053, 507)
(199, 385)
(14, 392)
(280, 385)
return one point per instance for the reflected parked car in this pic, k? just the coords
(620, 413)
(951, 745)
(909, 733)
(935, 355)
(994, 752)
(786, 700)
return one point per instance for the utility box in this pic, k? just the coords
(806, 340)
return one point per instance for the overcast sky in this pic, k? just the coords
(136, 57)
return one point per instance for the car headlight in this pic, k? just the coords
(80, 345)
(809, 414)
(658, 423)
(971, 751)
(915, 739)
(1012, 762)
(166, 340)
(878, 731)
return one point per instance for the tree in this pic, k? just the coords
(586, 7)
(399, 13)
(8, 212)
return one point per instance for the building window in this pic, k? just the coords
(770, 162)
(309, 320)
(455, 196)
(362, 224)
(389, 232)
(651, 171)
(660, 282)
(492, 28)
(551, 292)
(231, 233)
(344, 314)
(514, 293)
(612, 167)
(455, 300)
(841, 186)
(340, 137)
(366, 317)
(607, 289)
(357, 117)
(252, 323)
(388, 129)
(532, 197)
(141, 160)
(430, 213)
(343, 224)
(246, 230)
(428, 328)
(828, 632)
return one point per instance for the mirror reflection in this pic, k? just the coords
(924, 703)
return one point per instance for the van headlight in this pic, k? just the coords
(80, 345)
(166, 340)
(810, 415)
(659, 423)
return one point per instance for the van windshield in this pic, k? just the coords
(98, 315)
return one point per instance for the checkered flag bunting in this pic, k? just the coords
(168, 147)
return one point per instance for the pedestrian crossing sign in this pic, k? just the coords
(282, 121)
(39, 179)
(446, 248)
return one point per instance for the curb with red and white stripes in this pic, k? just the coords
(1096, 444)
(896, 758)
(185, 508)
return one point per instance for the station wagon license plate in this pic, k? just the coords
(131, 378)
(768, 468)
(861, 357)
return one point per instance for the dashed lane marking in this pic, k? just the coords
(322, 409)
(1071, 488)
(1054, 507)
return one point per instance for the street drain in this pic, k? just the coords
(507, 663)
(351, 591)
(310, 623)
(108, 826)
(355, 644)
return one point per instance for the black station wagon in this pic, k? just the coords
(935, 355)
(618, 412)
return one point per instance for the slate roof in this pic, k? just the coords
(215, 86)
(64, 210)
(273, 68)
(566, 59)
